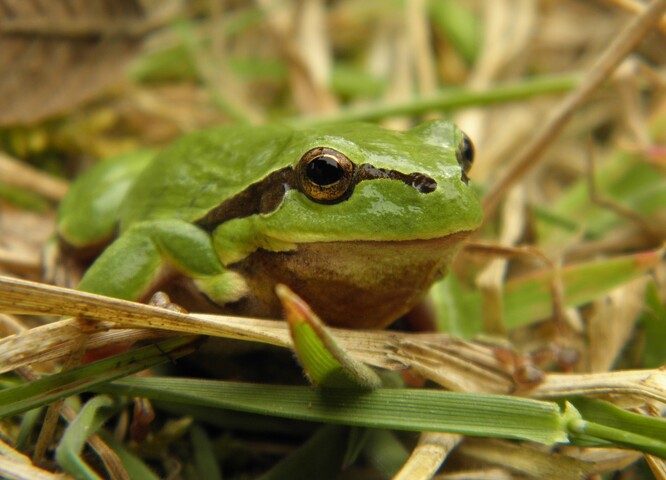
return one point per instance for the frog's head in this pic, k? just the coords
(377, 214)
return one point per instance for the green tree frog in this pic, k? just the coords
(358, 220)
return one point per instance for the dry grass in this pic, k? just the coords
(219, 62)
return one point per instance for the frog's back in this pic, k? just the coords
(202, 169)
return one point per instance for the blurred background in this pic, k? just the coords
(83, 81)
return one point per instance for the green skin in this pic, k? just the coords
(382, 234)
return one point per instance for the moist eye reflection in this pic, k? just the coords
(324, 171)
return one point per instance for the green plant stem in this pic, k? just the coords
(618, 437)
(450, 99)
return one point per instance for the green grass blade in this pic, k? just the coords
(30, 395)
(235, 420)
(459, 25)
(204, 455)
(528, 299)
(459, 309)
(134, 466)
(358, 438)
(617, 437)
(321, 457)
(325, 362)
(29, 422)
(607, 414)
(400, 409)
(92, 416)
(386, 452)
(450, 99)
(653, 322)
(627, 179)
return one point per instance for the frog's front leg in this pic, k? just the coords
(135, 263)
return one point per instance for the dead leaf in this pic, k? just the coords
(57, 54)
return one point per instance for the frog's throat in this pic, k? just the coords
(266, 195)
(354, 284)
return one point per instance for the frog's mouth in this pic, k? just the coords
(357, 284)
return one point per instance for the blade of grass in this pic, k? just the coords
(29, 422)
(605, 413)
(449, 100)
(357, 440)
(400, 409)
(529, 298)
(134, 466)
(325, 362)
(204, 455)
(617, 437)
(459, 308)
(653, 321)
(460, 25)
(626, 178)
(320, 457)
(91, 417)
(240, 421)
(386, 452)
(630, 36)
(48, 389)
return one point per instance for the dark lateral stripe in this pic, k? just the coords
(266, 195)
(263, 196)
(421, 182)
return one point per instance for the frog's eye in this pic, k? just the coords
(465, 154)
(325, 175)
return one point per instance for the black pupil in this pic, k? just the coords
(324, 171)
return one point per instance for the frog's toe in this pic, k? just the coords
(162, 300)
(227, 287)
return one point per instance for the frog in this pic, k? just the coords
(357, 219)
